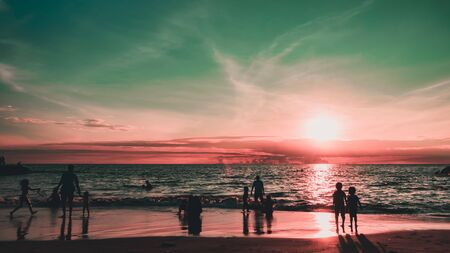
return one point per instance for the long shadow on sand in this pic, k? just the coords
(363, 245)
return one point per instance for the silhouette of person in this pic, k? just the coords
(258, 186)
(259, 223)
(85, 227)
(353, 203)
(183, 219)
(147, 185)
(23, 231)
(245, 230)
(268, 206)
(182, 206)
(67, 236)
(339, 203)
(86, 203)
(68, 183)
(245, 198)
(54, 200)
(25, 188)
(269, 220)
(194, 209)
(2, 161)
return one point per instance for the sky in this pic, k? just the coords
(225, 81)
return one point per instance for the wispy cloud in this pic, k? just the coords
(8, 76)
(86, 123)
(8, 108)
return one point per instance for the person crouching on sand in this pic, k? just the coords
(25, 188)
(339, 203)
(353, 203)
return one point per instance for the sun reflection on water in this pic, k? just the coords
(319, 182)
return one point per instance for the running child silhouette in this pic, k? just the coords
(353, 203)
(25, 188)
(339, 203)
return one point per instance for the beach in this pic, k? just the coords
(221, 230)
(405, 241)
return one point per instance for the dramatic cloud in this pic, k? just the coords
(267, 150)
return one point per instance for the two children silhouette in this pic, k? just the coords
(341, 203)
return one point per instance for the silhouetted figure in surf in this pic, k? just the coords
(259, 223)
(147, 185)
(353, 203)
(66, 236)
(25, 188)
(245, 230)
(85, 227)
(2, 161)
(245, 199)
(68, 184)
(182, 207)
(268, 206)
(194, 209)
(258, 186)
(269, 220)
(55, 199)
(339, 203)
(86, 203)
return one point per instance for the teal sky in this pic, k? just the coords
(148, 70)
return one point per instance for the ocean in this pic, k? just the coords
(408, 189)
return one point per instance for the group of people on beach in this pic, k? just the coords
(265, 205)
(63, 194)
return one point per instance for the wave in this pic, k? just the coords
(233, 202)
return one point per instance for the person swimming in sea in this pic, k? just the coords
(339, 203)
(353, 203)
(147, 185)
(25, 188)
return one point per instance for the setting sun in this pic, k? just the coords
(321, 128)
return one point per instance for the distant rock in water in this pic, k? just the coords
(13, 169)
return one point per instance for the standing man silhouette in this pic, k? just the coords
(258, 186)
(68, 183)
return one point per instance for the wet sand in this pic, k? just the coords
(221, 230)
(406, 241)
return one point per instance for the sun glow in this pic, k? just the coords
(321, 128)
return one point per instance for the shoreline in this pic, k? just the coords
(403, 241)
(106, 223)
